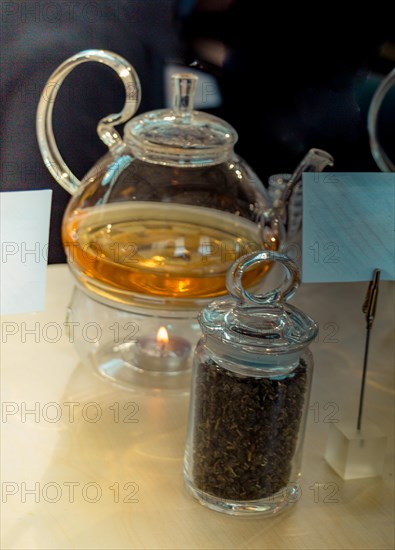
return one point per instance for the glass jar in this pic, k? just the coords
(251, 382)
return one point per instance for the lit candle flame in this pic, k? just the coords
(162, 337)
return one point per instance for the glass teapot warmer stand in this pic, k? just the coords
(134, 347)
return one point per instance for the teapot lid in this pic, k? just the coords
(181, 135)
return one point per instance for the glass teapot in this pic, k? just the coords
(166, 211)
(160, 218)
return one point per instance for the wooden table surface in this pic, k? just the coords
(88, 465)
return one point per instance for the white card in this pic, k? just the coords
(24, 228)
(348, 226)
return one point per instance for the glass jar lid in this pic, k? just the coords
(250, 326)
(180, 135)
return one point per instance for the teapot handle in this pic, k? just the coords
(380, 156)
(105, 128)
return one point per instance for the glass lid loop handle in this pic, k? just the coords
(282, 293)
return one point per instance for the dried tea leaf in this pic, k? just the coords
(246, 431)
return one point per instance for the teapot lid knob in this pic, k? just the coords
(184, 87)
(181, 136)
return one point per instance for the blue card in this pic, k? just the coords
(348, 226)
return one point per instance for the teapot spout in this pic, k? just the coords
(315, 160)
(286, 191)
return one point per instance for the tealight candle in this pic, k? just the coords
(163, 353)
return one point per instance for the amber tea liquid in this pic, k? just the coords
(159, 249)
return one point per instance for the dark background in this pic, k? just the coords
(287, 84)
